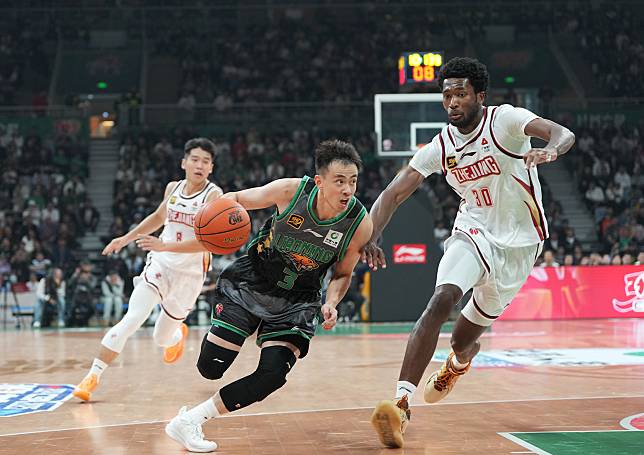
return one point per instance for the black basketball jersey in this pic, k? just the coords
(294, 249)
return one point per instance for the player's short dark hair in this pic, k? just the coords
(200, 143)
(465, 67)
(335, 150)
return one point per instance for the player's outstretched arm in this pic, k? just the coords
(400, 188)
(341, 279)
(151, 243)
(149, 224)
(278, 192)
(560, 139)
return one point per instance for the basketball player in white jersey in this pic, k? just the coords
(486, 157)
(173, 280)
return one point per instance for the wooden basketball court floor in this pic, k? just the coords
(532, 390)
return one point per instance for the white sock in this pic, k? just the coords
(405, 388)
(202, 412)
(458, 365)
(98, 367)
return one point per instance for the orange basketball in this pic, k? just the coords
(222, 226)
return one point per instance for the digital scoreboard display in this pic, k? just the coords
(419, 67)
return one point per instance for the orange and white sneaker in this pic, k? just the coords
(83, 391)
(442, 382)
(173, 353)
(390, 419)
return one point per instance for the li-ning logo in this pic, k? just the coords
(634, 288)
(311, 231)
(411, 253)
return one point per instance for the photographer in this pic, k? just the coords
(81, 295)
(50, 299)
(112, 295)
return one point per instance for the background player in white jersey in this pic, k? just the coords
(486, 156)
(173, 280)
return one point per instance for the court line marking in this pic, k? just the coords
(358, 408)
(524, 444)
(539, 451)
(626, 422)
(572, 431)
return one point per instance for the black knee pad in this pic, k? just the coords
(274, 364)
(214, 360)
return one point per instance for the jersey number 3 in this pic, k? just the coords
(289, 279)
(483, 197)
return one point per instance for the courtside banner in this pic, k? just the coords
(580, 292)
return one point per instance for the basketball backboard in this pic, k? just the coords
(405, 121)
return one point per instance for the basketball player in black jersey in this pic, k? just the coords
(275, 289)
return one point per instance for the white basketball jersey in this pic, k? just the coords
(485, 168)
(178, 227)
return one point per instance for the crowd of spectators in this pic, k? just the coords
(42, 200)
(607, 165)
(610, 39)
(21, 48)
(302, 54)
(294, 59)
(44, 210)
(305, 56)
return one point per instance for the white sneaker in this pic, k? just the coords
(188, 434)
(36, 325)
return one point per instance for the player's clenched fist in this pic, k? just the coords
(330, 315)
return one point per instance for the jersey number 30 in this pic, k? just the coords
(483, 197)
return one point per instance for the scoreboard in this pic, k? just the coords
(419, 67)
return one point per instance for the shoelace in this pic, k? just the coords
(443, 379)
(197, 431)
(403, 404)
